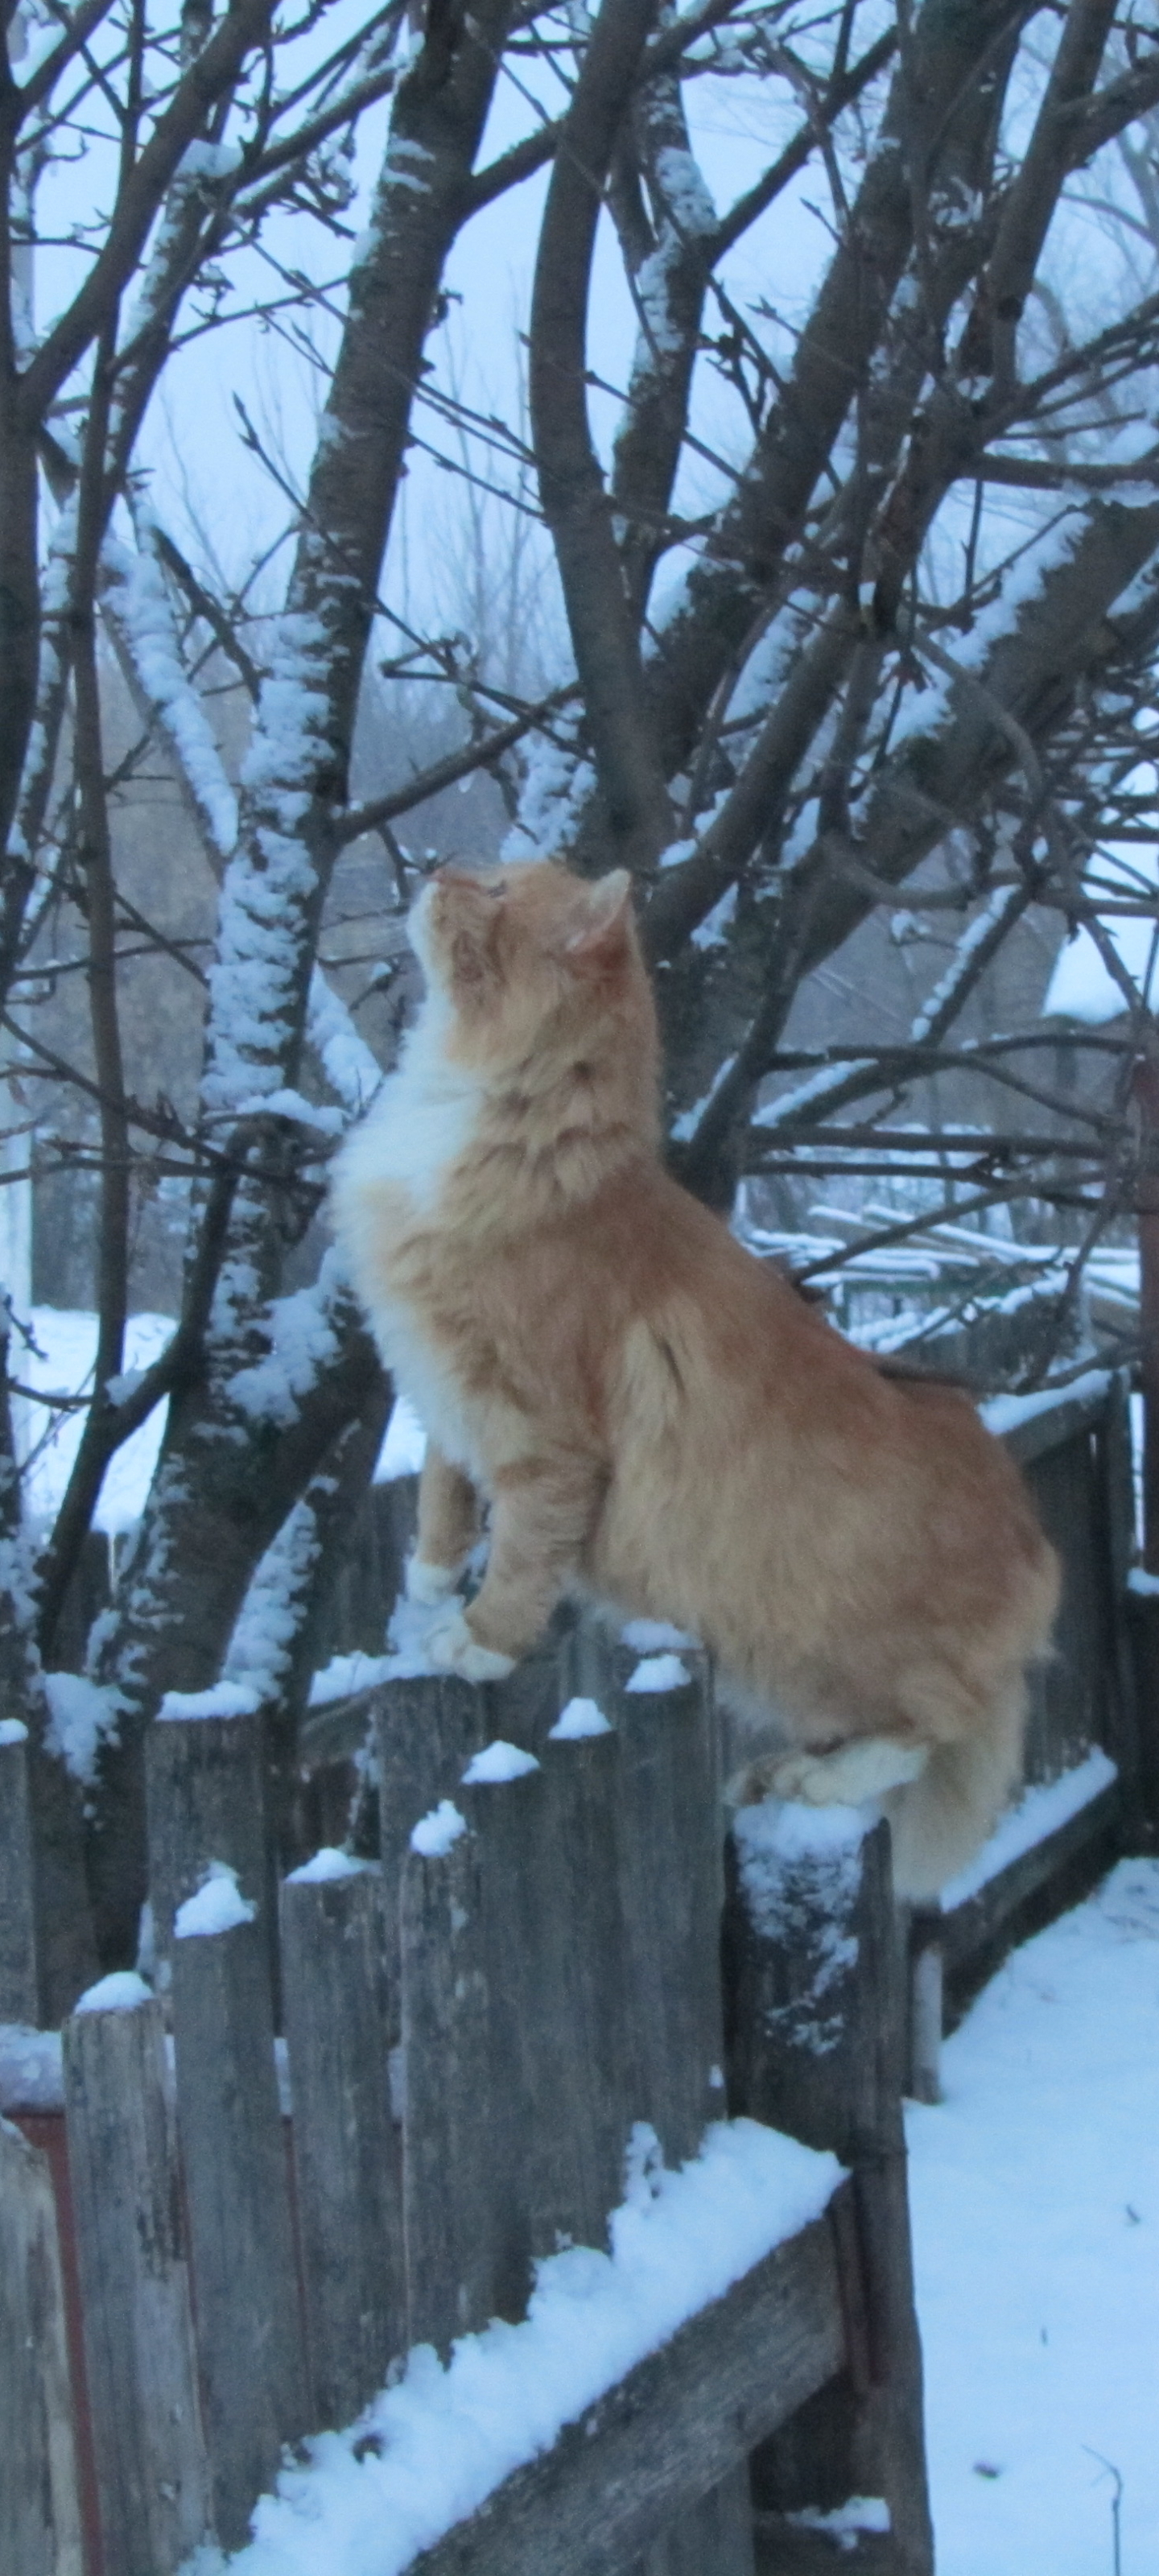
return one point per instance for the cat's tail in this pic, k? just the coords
(941, 1819)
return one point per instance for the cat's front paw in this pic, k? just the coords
(453, 1649)
(428, 1583)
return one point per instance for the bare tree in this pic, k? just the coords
(909, 647)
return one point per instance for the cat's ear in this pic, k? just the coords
(604, 919)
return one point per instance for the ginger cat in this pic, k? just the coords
(655, 1417)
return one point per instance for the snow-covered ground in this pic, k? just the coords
(1035, 2196)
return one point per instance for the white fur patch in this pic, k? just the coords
(423, 1118)
(429, 1583)
(863, 1769)
(453, 1648)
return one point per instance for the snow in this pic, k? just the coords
(218, 1906)
(647, 1636)
(581, 1717)
(345, 1674)
(799, 1864)
(405, 1445)
(226, 1699)
(1081, 987)
(80, 1714)
(327, 1864)
(498, 1762)
(302, 1343)
(1039, 1812)
(435, 1833)
(1035, 2196)
(62, 1365)
(436, 2444)
(658, 1673)
(1006, 1412)
(31, 2076)
(846, 2521)
(261, 1649)
(13, 1730)
(120, 1992)
(684, 1127)
(139, 598)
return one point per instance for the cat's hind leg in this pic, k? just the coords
(864, 1767)
(448, 1525)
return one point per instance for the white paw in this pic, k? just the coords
(856, 1772)
(453, 1649)
(429, 1583)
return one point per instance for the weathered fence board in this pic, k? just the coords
(347, 2146)
(40, 2523)
(667, 2433)
(671, 1887)
(818, 2050)
(206, 1801)
(151, 2471)
(19, 1999)
(244, 2272)
(453, 2259)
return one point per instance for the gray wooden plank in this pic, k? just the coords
(347, 2146)
(592, 2010)
(40, 2524)
(672, 2429)
(206, 1801)
(18, 1978)
(453, 2181)
(249, 2333)
(671, 1882)
(152, 2480)
(425, 1733)
(819, 2008)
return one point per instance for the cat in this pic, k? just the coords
(653, 1416)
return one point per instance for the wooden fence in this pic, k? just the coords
(221, 2240)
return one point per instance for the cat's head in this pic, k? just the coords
(528, 957)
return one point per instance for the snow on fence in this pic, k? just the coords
(249, 2235)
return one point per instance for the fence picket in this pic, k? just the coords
(152, 2480)
(347, 2147)
(818, 2050)
(40, 2523)
(671, 1892)
(582, 1775)
(234, 2156)
(18, 1978)
(451, 2204)
(206, 1800)
(425, 1733)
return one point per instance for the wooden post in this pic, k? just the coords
(671, 1883)
(347, 2147)
(818, 2050)
(449, 2179)
(40, 2523)
(426, 1731)
(601, 2099)
(151, 2474)
(18, 1979)
(926, 2007)
(205, 1788)
(234, 2156)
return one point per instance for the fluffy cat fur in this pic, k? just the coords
(652, 1415)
